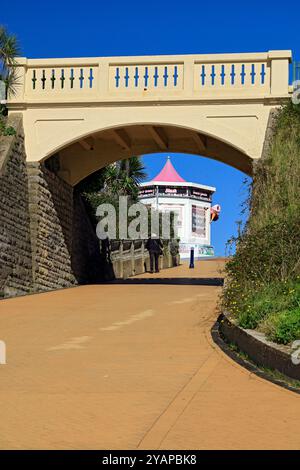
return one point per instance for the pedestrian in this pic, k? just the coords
(174, 250)
(154, 246)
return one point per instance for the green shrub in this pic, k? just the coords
(283, 327)
(262, 283)
(6, 130)
(268, 301)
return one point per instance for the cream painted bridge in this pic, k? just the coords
(88, 112)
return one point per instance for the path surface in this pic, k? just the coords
(133, 366)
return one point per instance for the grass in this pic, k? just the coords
(272, 374)
(273, 309)
(4, 129)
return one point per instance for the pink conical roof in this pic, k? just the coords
(168, 174)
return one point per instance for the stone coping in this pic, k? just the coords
(263, 352)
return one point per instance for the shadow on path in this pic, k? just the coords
(184, 281)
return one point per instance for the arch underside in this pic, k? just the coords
(90, 153)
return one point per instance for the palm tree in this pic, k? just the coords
(134, 169)
(123, 178)
(106, 185)
(9, 50)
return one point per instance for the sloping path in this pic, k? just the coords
(133, 366)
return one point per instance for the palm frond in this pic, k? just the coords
(9, 50)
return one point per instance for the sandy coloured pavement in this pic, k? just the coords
(131, 366)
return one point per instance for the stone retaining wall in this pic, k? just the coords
(86, 261)
(46, 239)
(15, 245)
(261, 351)
(51, 218)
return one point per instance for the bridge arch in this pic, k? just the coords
(220, 102)
(85, 153)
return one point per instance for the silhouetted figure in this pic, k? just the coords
(105, 249)
(174, 250)
(154, 246)
(108, 271)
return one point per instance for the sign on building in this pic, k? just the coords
(198, 221)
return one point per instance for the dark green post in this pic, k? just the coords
(192, 258)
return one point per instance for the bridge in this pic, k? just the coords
(140, 350)
(74, 116)
(89, 112)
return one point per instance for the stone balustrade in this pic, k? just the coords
(130, 257)
(182, 77)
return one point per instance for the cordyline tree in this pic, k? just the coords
(123, 178)
(106, 185)
(9, 50)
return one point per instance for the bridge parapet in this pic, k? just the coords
(150, 78)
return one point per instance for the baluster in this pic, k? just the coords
(136, 77)
(52, 79)
(34, 79)
(155, 76)
(249, 79)
(91, 78)
(117, 77)
(243, 74)
(146, 77)
(212, 75)
(62, 78)
(165, 76)
(203, 75)
(232, 74)
(81, 78)
(252, 74)
(175, 75)
(72, 78)
(222, 75)
(126, 77)
(43, 79)
(263, 74)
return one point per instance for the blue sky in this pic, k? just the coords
(101, 28)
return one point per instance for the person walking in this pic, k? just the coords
(155, 246)
(174, 250)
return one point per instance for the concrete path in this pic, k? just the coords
(133, 366)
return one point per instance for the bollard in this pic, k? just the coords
(192, 258)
